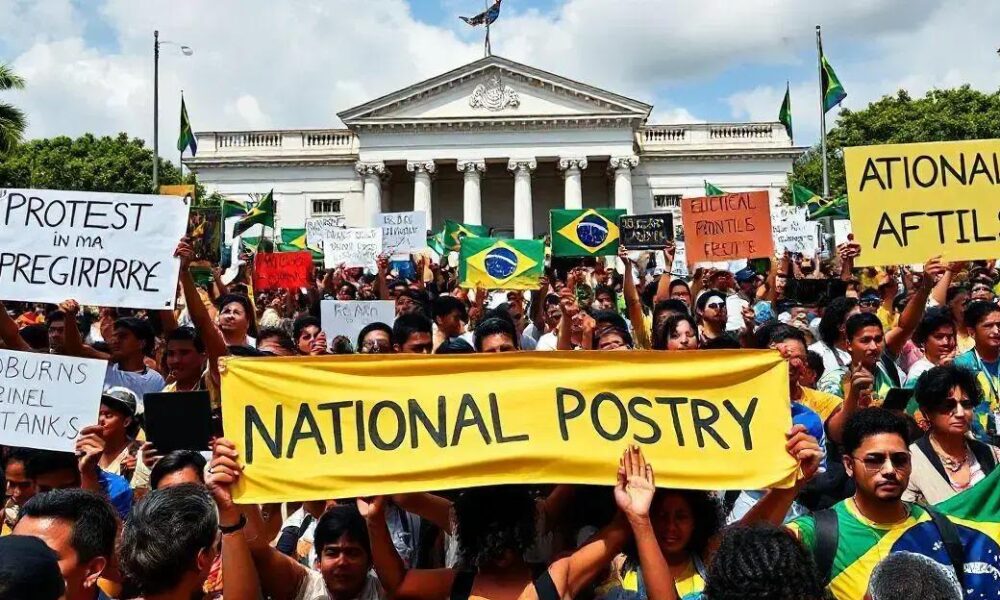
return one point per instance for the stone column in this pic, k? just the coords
(572, 171)
(387, 191)
(622, 167)
(422, 171)
(371, 173)
(522, 168)
(472, 192)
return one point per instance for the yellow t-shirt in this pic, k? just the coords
(821, 403)
(888, 317)
(688, 582)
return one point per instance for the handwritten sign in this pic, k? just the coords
(317, 228)
(100, 249)
(912, 201)
(841, 229)
(728, 227)
(349, 317)
(353, 247)
(646, 232)
(281, 270)
(46, 399)
(402, 232)
(793, 231)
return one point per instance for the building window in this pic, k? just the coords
(666, 201)
(325, 207)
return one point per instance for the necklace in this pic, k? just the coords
(952, 464)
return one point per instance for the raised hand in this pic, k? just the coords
(184, 252)
(805, 450)
(89, 447)
(223, 473)
(69, 307)
(862, 382)
(372, 508)
(636, 484)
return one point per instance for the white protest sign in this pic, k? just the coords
(353, 247)
(317, 228)
(841, 229)
(402, 232)
(792, 231)
(100, 249)
(349, 317)
(680, 266)
(46, 399)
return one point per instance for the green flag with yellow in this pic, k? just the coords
(455, 232)
(711, 190)
(500, 264)
(261, 214)
(586, 232)
(294, 240)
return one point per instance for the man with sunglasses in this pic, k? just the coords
(982, 320)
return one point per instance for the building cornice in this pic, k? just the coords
(246, 161)
(792, 153)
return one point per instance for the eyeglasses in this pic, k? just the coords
(874, 462)
(715, 305)
(950, 407)
(869, 303)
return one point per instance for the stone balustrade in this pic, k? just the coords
(653, 138)
(223, 144)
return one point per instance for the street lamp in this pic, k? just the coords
(186, 51)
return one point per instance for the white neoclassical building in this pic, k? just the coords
(493, 142)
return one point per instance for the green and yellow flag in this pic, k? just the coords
(833, 91)
(785, 113)
(818, 208)
(186, 138)
(436, 243)
(232, 208)
(294, 240)
(455, 232)
(500, 264)
(587, 232)
(261, 214)
(711, 190)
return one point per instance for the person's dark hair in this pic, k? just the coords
(278, 334)
(94, 520)
(163, 536)
(141, 329)
(43, 462)
(606, 289)
(934, 319)
(492, 520)
(910, 575)
(707, 295)
(247, 308)
(953, 292)
(872, 421)
(455, 346)
(420, 297)
(600, 332)
(723, 342)
(860, 321)
(834, 317)
(669, 326)
(762, 562)
(178, 460)
(672, 305)
(20, 455)
(36, 336)
(444, 305)
(935, 384)
(55, 316)
(301, 323)
(341, 520)
(648, 294)
(676, 283)
(187, 334)
(815, 363)
(408, 324)
(899, 302)
(976, 311)
(609, 317)
(775, 332)
(706, 512)
(493, 326)
(377, 326)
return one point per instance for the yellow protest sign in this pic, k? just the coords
(910, 202)
(310, 428)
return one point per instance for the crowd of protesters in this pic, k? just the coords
(893, 390)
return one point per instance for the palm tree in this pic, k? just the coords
(12, 119)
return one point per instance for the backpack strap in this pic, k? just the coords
(984, 455)
(827, 540)
(546, 588)
(461, 587)
(952, 543)
(890, 369)
(924, 445)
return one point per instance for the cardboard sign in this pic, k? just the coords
(646, 232)
(357, 247)
(281, 270)
(204, 229)
(349, 317)
(910, 202)
(402, 232)
(178, 420)
(841, 229)
(46, 399)
(99, 249)
(729, 227)
(317, 229)
(185, 190)
(383, 424)
(793, 231)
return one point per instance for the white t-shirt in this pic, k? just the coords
(734, 310)
(919, 368)
(314, 588)
(830, 356)
(145, 382)
(547, 342)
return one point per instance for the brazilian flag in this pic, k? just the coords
(587, 232)
(435, 242)
(818, 207)
(711, 190)
(495, 264)
(294, 240)
(261, 214)
(232, 208)
(833, 91)
(186, 137)
(455, 232)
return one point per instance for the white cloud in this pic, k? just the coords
(670, 115)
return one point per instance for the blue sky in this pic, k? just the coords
(264, 64)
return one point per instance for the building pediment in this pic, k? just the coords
(496, 91)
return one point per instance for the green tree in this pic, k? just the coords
(12, 119)
(88, 163)
(941, 115)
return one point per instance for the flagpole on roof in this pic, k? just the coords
(822, 114)
(180, 162)
(487, 49)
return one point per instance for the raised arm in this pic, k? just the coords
(433, 508)
(239, 578)
(538, 304)
(383, 277)
(910, 318)
(215, 343)
(663, 285)
(9, 332)
(72, 340)
(639, 486)
(633, 304)
(773, 507)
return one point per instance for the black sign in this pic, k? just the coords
(178, 421)
(646, 232)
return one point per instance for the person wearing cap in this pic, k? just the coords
(117, 419)
(869, 302)
(29, 570)
(712, 314)
(746, 295)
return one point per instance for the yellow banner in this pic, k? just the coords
(310, 428)
(910, 202)
(178, 190)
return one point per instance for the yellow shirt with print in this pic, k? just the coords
(823, 404)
